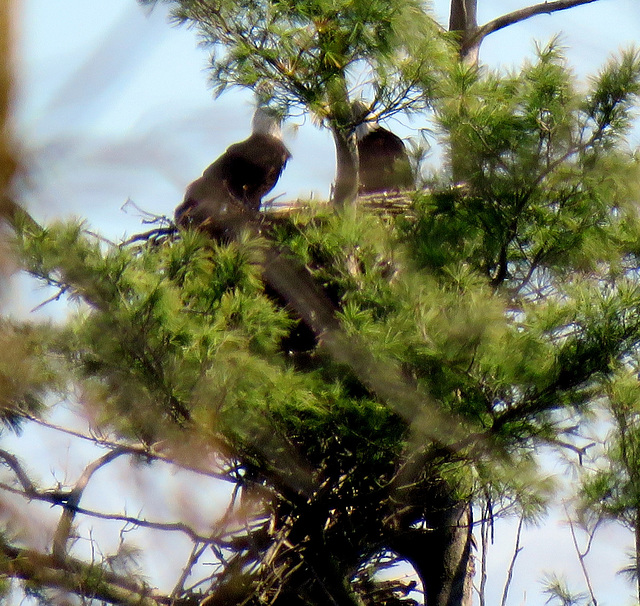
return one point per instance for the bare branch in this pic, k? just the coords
(61, 292)
(146, 216)
(581, 451)
(147, 235)
(140, 450)
(63, 530)
(196, 552)
(116, 517)
(476, 37)
(485, 524)
(61, 498)
(26, 483)
(516, 551)
(98, 237)
(68, 499)
(583, 554)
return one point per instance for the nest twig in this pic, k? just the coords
(388, 203)
(384, 204)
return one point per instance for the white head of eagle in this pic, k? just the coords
(266, 121)
(242, 175)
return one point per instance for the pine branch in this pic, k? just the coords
(292, 280)
(74, 576)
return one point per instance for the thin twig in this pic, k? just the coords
(98, 237)
(516, 551)
(196, 552)
(140, 450)
(147, 217)
(582, 555)
(60, 498)
(147, 235)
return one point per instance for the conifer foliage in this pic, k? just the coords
(494, 314)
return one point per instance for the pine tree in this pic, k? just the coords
(310, 54)
(489, 316)
(611, 488)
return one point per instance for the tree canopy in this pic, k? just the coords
(471, 323)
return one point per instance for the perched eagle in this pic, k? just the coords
(384, 164)
(224, 203)
(240, 177)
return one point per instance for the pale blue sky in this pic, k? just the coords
(114, 104)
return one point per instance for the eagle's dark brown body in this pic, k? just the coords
(384, 164)
(250, 169)
(240, 177)
(225, 201)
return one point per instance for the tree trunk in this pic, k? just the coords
(463, 19)
(341, 123)
(442, 555)
(346, 185)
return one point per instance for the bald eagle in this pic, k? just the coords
(224, 202)
(238, 180)
(384, 164)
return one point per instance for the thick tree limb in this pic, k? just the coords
(15, 215)
(475, 38)
(463, 15)
(12, 461)
(74, 576)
